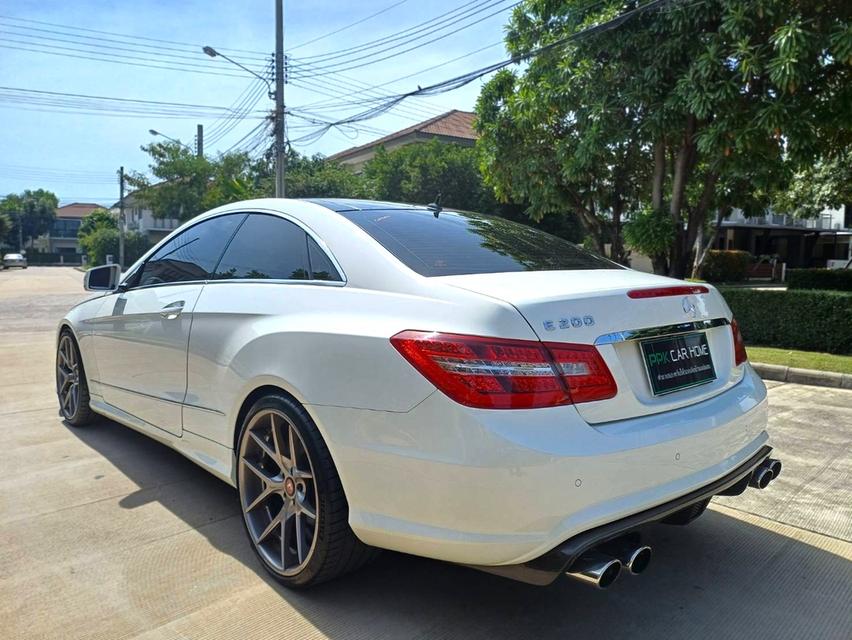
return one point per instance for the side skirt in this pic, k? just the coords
(212, 456)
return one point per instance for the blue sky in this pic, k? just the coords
(75, 155)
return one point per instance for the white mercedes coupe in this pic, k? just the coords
(446, 384)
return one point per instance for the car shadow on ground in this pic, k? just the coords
(719, 577)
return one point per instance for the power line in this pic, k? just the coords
(106, 105)
(350, 88)
(341, 66)
(348, 26)
(194, 46)
(447, 16)
(98, 48)
(464, 79)
(108, 57)
(338, 105)
(132, 64)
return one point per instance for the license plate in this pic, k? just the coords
(677, 362)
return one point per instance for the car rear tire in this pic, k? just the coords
(72, 389)
(294, 509)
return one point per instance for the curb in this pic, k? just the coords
(803, 376)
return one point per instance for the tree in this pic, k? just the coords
(666, 107)
(183, 180)
(824, 185)
(97, 219)
(316, 176)
(5, 225)
(417, 173)
(34, 211)
(98, 236)
(188, 185)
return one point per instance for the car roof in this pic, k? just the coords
(353, 204)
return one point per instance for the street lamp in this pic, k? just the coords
(277, 94)
(210, 51)
(154, 132)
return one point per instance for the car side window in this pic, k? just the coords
(321, 265)
(266, 247)
(193, 254)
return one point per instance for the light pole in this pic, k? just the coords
(278, 94)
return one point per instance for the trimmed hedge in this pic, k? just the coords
(807, 320)
(725, 266)
(833, 279)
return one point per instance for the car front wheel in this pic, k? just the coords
(294, 508)
(72, 390)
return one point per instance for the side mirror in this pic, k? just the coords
(103, 278)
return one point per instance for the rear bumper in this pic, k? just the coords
(546, 568)
(483, 487)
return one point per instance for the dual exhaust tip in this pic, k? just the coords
(765, 473)
(601, 566)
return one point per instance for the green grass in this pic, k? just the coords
(801, 359)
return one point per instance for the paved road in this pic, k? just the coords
(105, 534)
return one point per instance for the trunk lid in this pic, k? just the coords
(592, 307)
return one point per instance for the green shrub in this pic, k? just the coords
(834, 279)
(794, 319)
(104, 241)
(726, 266)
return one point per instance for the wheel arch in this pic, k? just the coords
(266, 387)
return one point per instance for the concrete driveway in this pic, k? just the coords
(106, 534)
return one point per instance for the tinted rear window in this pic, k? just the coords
(464, 243)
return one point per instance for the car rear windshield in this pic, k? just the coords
(454, 243)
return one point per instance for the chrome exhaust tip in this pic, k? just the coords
(774, 465)
(595, 569)
(639, 560)
(634, 557)
(761, 477)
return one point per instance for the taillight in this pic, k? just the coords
(497, 373)
(740, 354)
(583, 371)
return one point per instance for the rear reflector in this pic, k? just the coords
(740, 354)
(496, 373)
(661, 292)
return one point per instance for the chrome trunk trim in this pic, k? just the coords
(668, 330)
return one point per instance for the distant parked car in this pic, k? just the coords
(14, 260)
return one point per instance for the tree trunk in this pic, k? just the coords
(682, 169)
(659, 175)
(698, 217)
(702, 246)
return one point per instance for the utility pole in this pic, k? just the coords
(20, 231)
(199, 140)
(121, 217)
(280, 156)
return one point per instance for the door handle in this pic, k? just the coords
(172, 310)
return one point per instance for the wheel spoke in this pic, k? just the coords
(265, 446)
(292, 445)
(260, 473)
(308, 510)
(72, 394)
(300, 539)
(268, 490)
(301, 474)
(282, 460)
(270, 527)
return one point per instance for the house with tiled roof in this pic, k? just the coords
(62, 237)
(454, 127)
